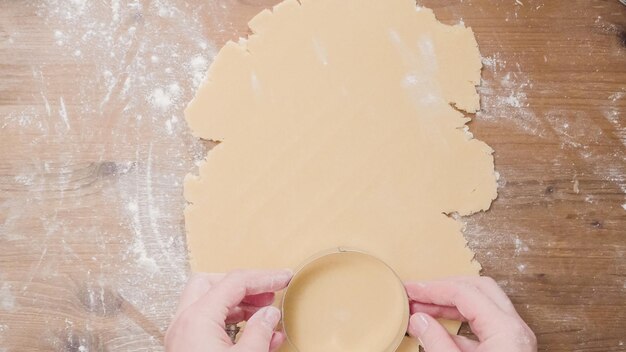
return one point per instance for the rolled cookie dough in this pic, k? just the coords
(337, 129)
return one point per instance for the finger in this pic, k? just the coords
(260, 300)
(235, 316)
(232, 289)
(259, 331)
(277, 340)
(197, 286)
(440, 312)
(433, 336)
(444, 312)
(196, 323)
(241, 313)
(465, 344)
(484, 316)
(249, 306)
(490, 288)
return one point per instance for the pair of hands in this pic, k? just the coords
(210, 301)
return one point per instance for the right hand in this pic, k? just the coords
(476, 300)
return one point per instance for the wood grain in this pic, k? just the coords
(76, 192)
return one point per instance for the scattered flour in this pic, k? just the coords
(616, 96)
(58, 35)
(516, 100)
(199, 66)
(520, 247)
(25, 179)
(613, 115)
(503, 96)
(160, 99)
(493, 63)
(7, 299)
(63, 113)
(163, 97)
(115, 10)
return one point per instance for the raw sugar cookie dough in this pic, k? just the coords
(338, 127)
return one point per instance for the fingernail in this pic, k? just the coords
(286, 274)
(270, 316)
(419, 324)
(415, 284)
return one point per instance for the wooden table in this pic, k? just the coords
(93, 150)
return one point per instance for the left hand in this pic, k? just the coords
(210, 301)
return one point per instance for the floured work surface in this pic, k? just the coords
(339, 133)
(80, 219)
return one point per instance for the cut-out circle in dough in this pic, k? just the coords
(328, 305)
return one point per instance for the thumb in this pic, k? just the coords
(257, 335)
(433, 336)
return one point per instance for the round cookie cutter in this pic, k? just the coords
(395, 343)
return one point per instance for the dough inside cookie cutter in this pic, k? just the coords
(344, 299)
